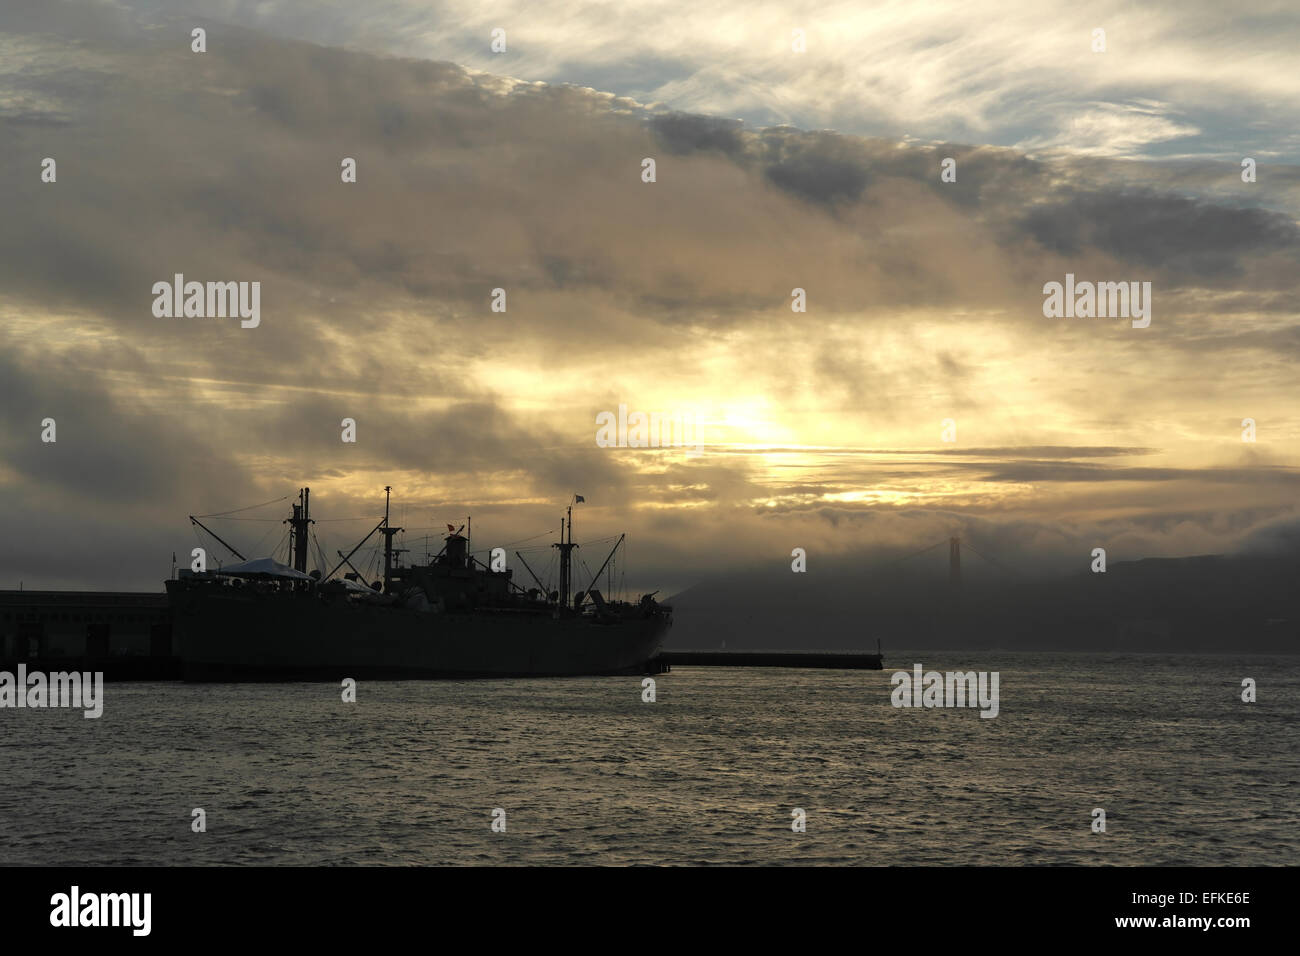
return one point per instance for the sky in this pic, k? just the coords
(774, 171)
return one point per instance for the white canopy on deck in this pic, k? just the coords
(263, 568)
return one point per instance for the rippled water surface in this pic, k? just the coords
(587, 773)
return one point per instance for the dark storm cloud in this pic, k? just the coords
(687, 132)
(1023, 198)
(1038, 471)
(1183, 235)
(820, 167)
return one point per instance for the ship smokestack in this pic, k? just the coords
(457, 547)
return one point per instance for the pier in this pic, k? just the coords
(828, 660)
(126, 635)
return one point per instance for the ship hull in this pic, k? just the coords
(235, 637)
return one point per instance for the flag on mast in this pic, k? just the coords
(577, 498)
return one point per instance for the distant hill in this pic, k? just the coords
(1197, 604)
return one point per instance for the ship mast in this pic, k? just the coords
(388, 542)
(566, 556)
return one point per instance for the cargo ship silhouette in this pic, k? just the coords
(451, 617)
